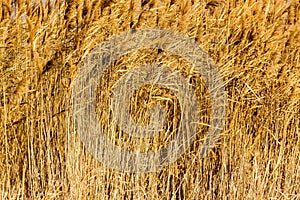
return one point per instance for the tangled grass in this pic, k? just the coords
(256, 45)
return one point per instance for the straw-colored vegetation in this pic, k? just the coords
(256, 46)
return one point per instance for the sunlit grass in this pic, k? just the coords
(256, 46)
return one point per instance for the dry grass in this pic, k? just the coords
(256, 45)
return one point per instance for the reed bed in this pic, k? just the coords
(256, 46)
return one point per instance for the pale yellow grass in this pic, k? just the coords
(256, 45)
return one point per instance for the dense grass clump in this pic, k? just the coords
(256, 46)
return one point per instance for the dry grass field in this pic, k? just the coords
(254, 43)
